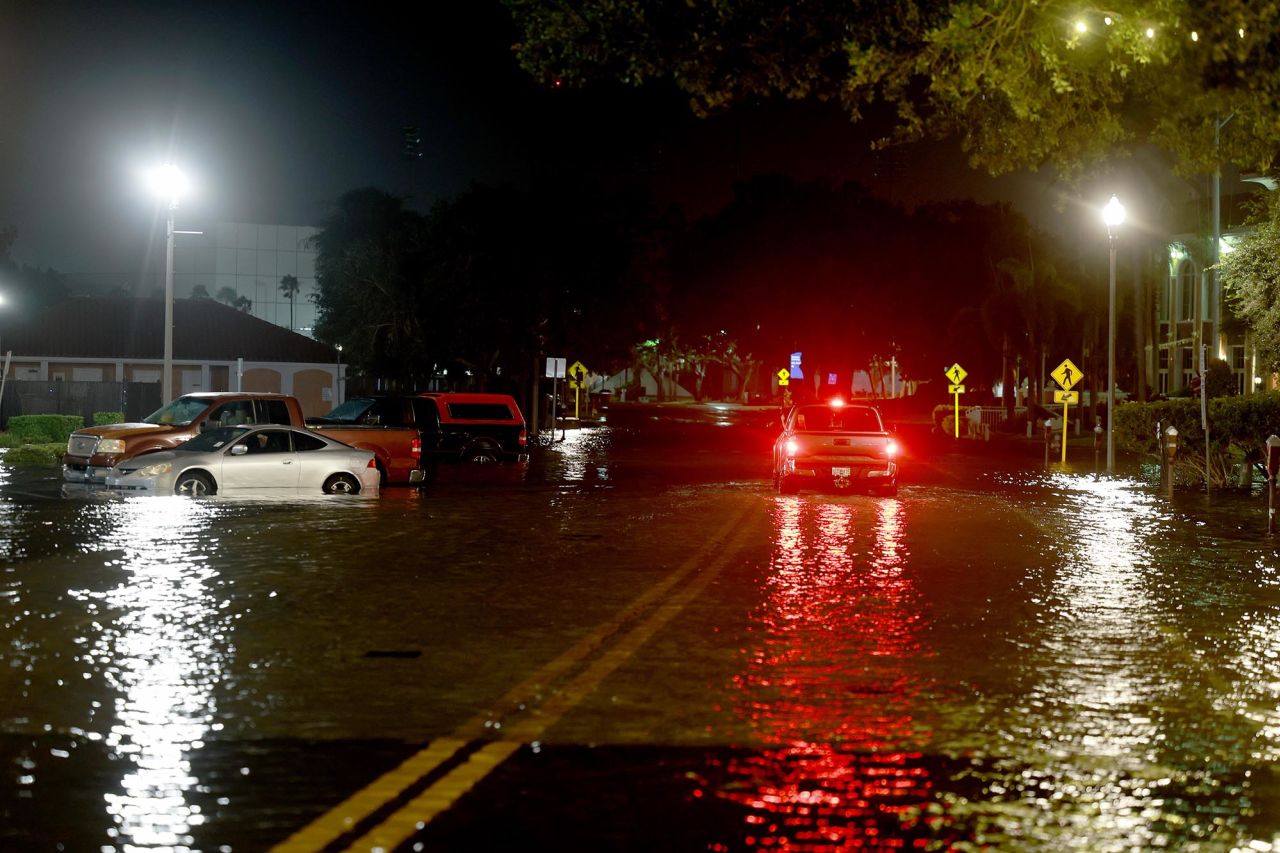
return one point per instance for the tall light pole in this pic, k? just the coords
(1113, 216)
(168, 183)
(337, 379)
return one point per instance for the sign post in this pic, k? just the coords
(1204, 416)
(555, 369)
(1066, 375)
(956, 374)
(578, 374)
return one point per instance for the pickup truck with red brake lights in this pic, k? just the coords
(835, 445)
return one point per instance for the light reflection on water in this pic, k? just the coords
(831, 685)
(168, 650)
(1124, 738)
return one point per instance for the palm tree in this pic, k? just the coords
(289, 287)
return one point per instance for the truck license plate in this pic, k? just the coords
(840, 472)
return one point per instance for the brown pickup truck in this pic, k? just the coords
(92, 451)
(384, 425)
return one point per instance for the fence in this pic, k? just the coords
(37, 397)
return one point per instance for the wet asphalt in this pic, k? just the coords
(632, 643)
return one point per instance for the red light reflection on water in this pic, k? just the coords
(833, 683)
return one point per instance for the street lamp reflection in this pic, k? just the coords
(169, 655)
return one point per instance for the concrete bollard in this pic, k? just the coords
(1097, 445)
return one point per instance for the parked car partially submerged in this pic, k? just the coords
(249, 460)
(834, 445)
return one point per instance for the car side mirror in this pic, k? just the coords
(204, 425)
(239, 449)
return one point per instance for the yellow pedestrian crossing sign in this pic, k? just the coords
(784, 377)
(1072, 397)
(956, 374)
(1067, 374)
(578, 371)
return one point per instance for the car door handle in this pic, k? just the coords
(287, 462)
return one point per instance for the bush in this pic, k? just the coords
(39, 429)
(30, 455)
(1238, 428)
(104, 418)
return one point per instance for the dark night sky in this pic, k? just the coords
(275, 109)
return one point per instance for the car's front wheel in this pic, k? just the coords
(194, 484)
(341, 484)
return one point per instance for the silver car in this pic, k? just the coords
(249, 460)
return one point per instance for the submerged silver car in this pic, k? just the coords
(249, 460)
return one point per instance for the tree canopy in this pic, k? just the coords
(1251, 281)
(1021, 84)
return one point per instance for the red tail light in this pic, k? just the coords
(891, 448)
(373, 463)
(415, 450)
(792, 446)
(523, 439)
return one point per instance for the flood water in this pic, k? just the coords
(634, 644)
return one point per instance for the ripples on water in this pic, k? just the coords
(1147, 703)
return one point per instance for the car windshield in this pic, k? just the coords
(837, 419)
(351, 410)
(213, 439)
(183, 410)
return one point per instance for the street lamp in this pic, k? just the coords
(337, 379)
(168, 183)
(1113, 216)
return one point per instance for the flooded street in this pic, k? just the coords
(635, 644)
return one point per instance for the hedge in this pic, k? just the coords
(105, 418)
(1238, 429)
(34, 455)
(42, 429)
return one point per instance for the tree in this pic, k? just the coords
(199, 292)
(1021, 84)
(1251, 281)
(27, 289)
(228, 295)
(289, 287)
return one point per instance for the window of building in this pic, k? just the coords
(1186, 291)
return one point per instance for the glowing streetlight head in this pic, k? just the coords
(1081, 27)
(1113, 213)
(167, 182)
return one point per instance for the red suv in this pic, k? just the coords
(472, 427)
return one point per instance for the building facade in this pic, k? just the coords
(248, 261)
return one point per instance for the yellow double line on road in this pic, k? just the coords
(611, 648)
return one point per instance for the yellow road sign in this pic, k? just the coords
(1067, 374)
(784, 376)
(955, 389)
(956, 374)
(578, 370)
(1072, 397)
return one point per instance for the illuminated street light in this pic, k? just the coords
(167, 183)
(1113, 216)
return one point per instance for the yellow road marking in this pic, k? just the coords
(343, 817)
(438, 797)
(392, 832)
